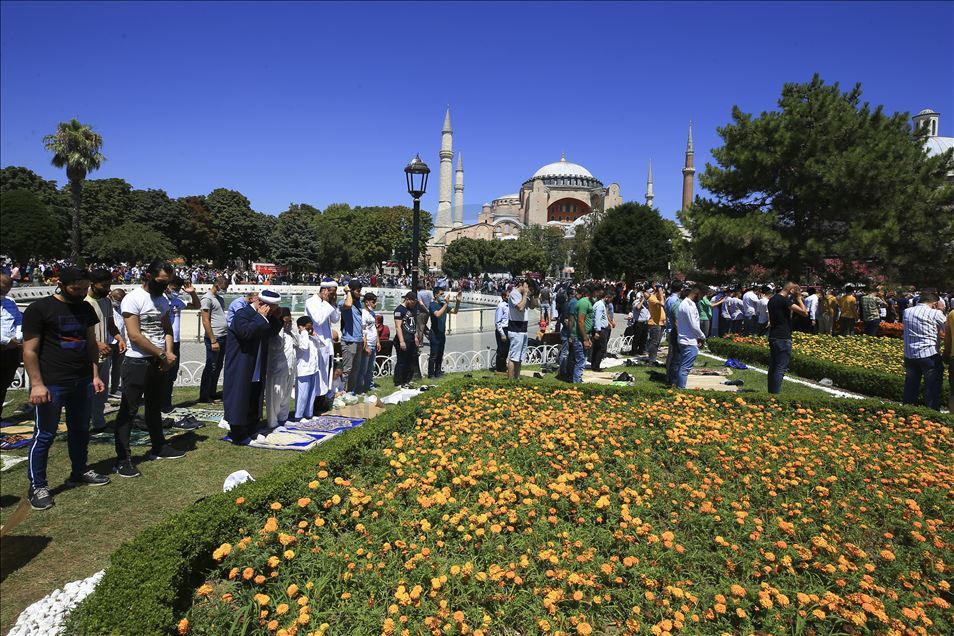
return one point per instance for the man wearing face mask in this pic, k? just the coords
(60, 355)
(439, 309)
(145, 371)
(106, 334)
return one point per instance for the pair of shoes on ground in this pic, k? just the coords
(41, 499)
(126, 468)
(186, 423)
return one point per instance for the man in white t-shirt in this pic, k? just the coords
(149, 356)
(369, 331)
(690, 333)
(750, 304)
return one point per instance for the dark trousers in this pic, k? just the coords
(704, 326)
(599, 348)
(673, 358)
(871, 327)
(725, 325)
(143, 382)
(173, 374)
(436, 358)
(780, 355)
(750, 324)
(406, 362)
(9, 363)
(640, 336)
(77, 398)
(847, 326)
(932, 370)
(214, 361)
(503, 348)
(737, 325)
(115, 371)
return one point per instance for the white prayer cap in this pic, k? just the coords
(270, 296)
(328, 282)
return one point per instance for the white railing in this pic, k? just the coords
(190, 372)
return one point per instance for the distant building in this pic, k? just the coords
(934, 144)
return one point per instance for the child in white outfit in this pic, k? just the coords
(307, 367)
(282, 362)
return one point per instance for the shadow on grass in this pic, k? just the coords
(9, 500)
(17, 551)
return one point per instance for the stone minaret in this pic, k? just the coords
(444, 220)
(459, 192)
(688, 172)
(649, 186)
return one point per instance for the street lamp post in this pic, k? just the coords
(416, 173)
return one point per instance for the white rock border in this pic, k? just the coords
(47, 616)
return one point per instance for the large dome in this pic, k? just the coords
(562, 168)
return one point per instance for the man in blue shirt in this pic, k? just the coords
(238, 303)
(438, 310)
(567, 315)
(601, 329)
(674, 356)
(11, 337)
(352, 348)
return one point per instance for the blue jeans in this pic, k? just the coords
(77, 397)
(689, 353)
(673, 358)
(214, 361)
(365, 370)
(564, 354)
(780, 355)
(932, 370)
(579, 360)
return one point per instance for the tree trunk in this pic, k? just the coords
(76, 189)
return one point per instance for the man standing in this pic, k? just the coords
(118, 357)
(106, 334)
(242, 301)
(517, 327)
(763, 319)
(848, 306)
(750, 302)
(567, 313)
(827, 312)
(501, 318)
(215, 325)
(673, 356)
(781, 307)
(145, 370)
(352, 350)
(439, 309)
(581, 343)
(322, 308)
(871, 304)
(369, 330)
(11, 337)
(657, 323)
(691, 336)
(406, 335)
(812, 302)
(640, 321)
(601, 330)
(60, 353)
(949, 356)
(923, 324)
(246, 363)
(176, 305)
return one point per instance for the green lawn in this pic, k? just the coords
(75, 538)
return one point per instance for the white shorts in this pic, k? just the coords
(518, 345)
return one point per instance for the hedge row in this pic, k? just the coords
(864, 381)
(150, 580)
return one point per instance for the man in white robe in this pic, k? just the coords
(322, 308)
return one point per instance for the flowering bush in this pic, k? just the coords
(885, 329)
(542, 510)
(885, 355)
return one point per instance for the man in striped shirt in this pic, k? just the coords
(923, 325)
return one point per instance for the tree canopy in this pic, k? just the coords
(29, 228)
(825, 177)
(630, 241)
(466, 257)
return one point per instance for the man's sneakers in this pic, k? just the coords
(89, 478)
(126, 469)
(40, 499)
(167, 452)
(187, 423)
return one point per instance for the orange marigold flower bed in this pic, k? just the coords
(559, 511)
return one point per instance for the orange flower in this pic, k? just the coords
(183, 626)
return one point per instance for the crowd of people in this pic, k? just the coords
(88, 343)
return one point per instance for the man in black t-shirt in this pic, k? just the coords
(406, 339)
(60, 355)
(781, 306)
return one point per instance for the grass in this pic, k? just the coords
(75, 538)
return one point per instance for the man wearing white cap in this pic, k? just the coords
(322, 308)
(246, 359)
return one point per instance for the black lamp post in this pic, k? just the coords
(416, 173)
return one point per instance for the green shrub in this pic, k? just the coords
(150, 580)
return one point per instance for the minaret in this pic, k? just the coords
(459, 192)
(688, 172)
(444, 220)
(649, 186)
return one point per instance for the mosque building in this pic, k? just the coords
(934, 144)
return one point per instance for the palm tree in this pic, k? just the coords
(76, 147)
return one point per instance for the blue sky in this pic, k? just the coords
(326, 102)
